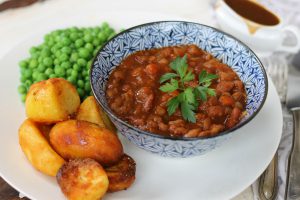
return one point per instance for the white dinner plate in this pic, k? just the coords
(220, 174)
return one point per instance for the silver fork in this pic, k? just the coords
(277, 69)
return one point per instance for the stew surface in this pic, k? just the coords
(133, 93)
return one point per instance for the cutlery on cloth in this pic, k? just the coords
(293, 170)
(268, 183)
(277, 69)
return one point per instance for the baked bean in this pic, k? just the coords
(226, 100)
(163, 61)
(238, 85)
(145, 96)
(151, 69)
(216, 128)
(206, 123)
(160, 111)
(215, 111)
(141, 59)
(234, 117)
(162, 126)
(133, 93)
(194, 50)
(193, 132)
(225, 86)
(227, 76)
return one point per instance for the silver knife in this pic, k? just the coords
(292, 191)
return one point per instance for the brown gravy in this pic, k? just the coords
(252, 11)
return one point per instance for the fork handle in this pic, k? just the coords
(292, 191)
(268, 181)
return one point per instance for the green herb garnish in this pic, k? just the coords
(188, 98)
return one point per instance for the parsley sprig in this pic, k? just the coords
(188, 98)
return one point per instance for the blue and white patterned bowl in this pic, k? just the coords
(170, 33)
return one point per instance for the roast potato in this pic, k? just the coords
(37, 149)
(122, 174)
(82, 179)
(51, 101)
(90, 111)
(80, 139)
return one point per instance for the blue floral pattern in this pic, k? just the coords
(161, 34)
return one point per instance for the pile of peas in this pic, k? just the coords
(66, 53)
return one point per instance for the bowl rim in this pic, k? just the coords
(181, 138)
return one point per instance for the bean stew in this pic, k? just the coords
(133, 93)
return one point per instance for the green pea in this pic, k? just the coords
(66, 65)
(79, 43)
(84, 73)
(27, 83)
(80, 83)
(27, 73)
(66, 41)
(23, 64)
(89, 47)
(104, 25)
(88, 38)
(51, 43)
(52, 76)
(59, 71)
(87, 86)
(80, 92)
(41, 68)
(35, 74)
(63, 57)
(41, 77)
(81, 62)
(66, 50)
(74, 57)
(48, 61)
(73, 29)
(74, 73)
(23, 79)
(72, 80)
(49, 71)
(33, 63)
(96, 42)
(33, 50)
(95, 52)
(56, 61)
(102, 37)
(83, 53)
(76, 67)
(23, 98)
(46, 52)
(22, 89)
(74, 36)
(89, 64)
(69, 72)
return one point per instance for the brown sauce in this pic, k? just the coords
(253, 11)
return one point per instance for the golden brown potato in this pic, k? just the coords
(81, 139)
(37, 150)
(51, 101)
(90, 111)
(82, 179)
(121, 175)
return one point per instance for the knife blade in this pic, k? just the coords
(292, 191)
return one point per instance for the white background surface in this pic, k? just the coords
(19, 24)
